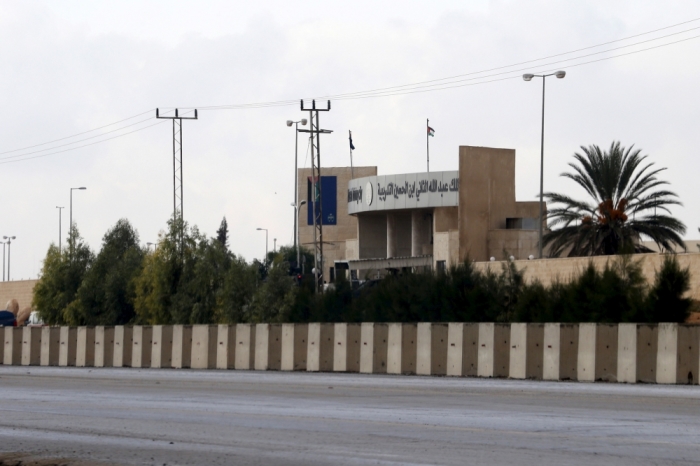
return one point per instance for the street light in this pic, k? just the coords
(148, 246)
(296, 232)
(3, 259)
(59, 228)
(9, 252)
(303, 121)
(70, 227)
(261, 229)
(528, 77)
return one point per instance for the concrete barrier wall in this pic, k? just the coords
(626, 353)
(104, 346)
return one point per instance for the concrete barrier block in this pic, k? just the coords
(606, 352)
(535, 352)
(294, 347)
(182, 346)
(245, 347)
(687, 364)
(142, 345)
(518, 351)
(13, 346)
(162, 347)
(353, 347)
(552, 349)
(85, 347)
(455, 346)
(667, 356)
(402, 348)
(627, 353)
(470, 350)
(438, 349)
(123, 345)
(586, 352)
(647, 349)
(568, 357)
(226, 347)
(31, 346)
(204, 343)
(501, 350)
(346, 354)
(104, 346)
(262, 347)
(423, 348)
(373, 348)
(50, 345)
(486, 353)
(393, 358)
(68, 346)
(320, 348)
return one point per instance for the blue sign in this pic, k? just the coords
(329, 201)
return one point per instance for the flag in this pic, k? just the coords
(431, 131)
(352, 147)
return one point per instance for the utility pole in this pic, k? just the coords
(178, 191)
(315, 132)
(60, 240)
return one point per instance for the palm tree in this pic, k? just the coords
(627, 205)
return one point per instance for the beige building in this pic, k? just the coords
(436, 219)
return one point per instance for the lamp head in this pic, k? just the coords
(302, 203)
(83, 188)
(304, 121)
(258, 229)
(528, 76)
(290, 122)
(560, 74)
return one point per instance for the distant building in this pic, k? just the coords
(437, 219)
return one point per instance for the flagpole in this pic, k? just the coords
(352, 170)
(427, 141)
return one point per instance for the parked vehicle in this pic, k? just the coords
(7, 319)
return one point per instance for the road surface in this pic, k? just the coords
(187, 417)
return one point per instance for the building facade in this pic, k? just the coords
(435, 220)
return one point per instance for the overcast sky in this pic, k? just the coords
(72, 66)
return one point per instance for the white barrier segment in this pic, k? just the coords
(518, 351)
(104, 346)
(455, 349)
(182, 347)
(667, 356)
(486, 350)
(226, 348)
(313, 358)
(287, 347)
(394, 348)
(123, 343)
(142, 344)
(627, 353)
(367, 348)
(424, 348)
(85, 348)
(245, 346)
(340, 351)
(262, 347)
(50, 344)
(31, 346)
(586, 352)
(203, 350)
(552, 348)
(162, 347)
(69, 339)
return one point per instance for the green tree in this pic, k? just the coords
(237, 292)
(626, 205)
(273, 300)
(666, 300)
(108, 290)
(55, 294)
(222, 233)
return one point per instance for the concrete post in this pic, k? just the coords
(518, 351)
(142, 344)
(31, 346)
(552, 350)
(204, 339)
(85, 349)
(373, 348)
(226, 348)
(50, 345)
(162, 347)
(123, 345)
(69, 341)
(294, 347)
(320, 348)
(182, 346)
(245, 347)
(647, 349)
(586, 352)
(627, 353)
(104, 346)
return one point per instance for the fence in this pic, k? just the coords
(664, 353)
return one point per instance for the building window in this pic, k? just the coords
(441, 266)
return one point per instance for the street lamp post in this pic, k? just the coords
(148, 246)
(3, 259)
(528, 77)
(70, 227)
(303, 121)
(265, 229)
(9, 255)
(59, 228)
(296, 230)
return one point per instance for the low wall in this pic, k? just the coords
(661, 353)
(548, 271)
(21, 290)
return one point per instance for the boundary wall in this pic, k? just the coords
(664, 353)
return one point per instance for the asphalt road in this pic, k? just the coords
(178, 417)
